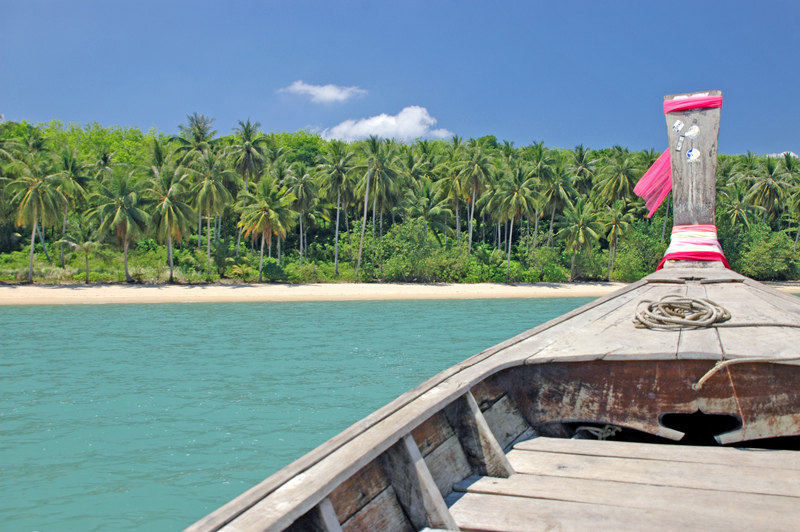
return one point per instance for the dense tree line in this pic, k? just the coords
(112, 204)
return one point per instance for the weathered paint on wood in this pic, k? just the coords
(431, 433)
(448, 464)
(505, 421)
(694, 184)
(415, 488)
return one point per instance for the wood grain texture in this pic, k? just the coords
(606, 501)
(739, 479)
(483, 451)
(381, 513)
(414, 486)
(729, 456)
(694, 184)
(355, 492)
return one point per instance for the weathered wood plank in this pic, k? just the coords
(518, 514)
(743, 479)
(693, 161)
(487, 392)
(431, 433)
(482, 449)
(448, 464)
(414, 486)
(730, 456)
(381, 513)
(355, 492)
(698, 343)
(744, 510)
(505, 421)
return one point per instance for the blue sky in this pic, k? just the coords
(562, 72)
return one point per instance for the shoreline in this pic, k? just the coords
(242, 293)
(74, 294)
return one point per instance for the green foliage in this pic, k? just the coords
(763, 254)
(639, 252)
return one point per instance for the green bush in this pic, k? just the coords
(764, 255)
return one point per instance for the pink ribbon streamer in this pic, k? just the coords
(656, 183)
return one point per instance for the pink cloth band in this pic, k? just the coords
(697, 102)
(694, 242)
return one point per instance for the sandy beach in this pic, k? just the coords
(221, 293)
(231, 293)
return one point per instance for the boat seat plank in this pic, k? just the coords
(731, 456)
(475, 511)
(748, 510)
(743, 479)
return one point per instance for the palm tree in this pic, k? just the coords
(516, 197)
(581, 229)
(119, 209)
(72, 178)
(304, 188)
(197, 136)
(618, 177)
(768, 188)
(103, 167)
(35, 193)
(82, 238)
(557, 190)
(209, 192)
(450, 183)
(422, 203)
(170, 213)
(582, 166)
(380, 167)
(475, 170)
(336, 169)
(267, 212)
(247, 156)
(616, 220)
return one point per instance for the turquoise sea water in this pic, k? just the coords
(120, 417)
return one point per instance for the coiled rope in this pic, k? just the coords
(673, 312)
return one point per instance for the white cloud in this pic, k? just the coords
(324, 93)
(411, 123)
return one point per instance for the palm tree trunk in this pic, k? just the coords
(301, 238)
(199, 229)
(169, 255)
(364, 223)
(238, 241)
(86, 279)
(610, 258)
(535, 229)
(471, 219)
(572, 267)
(33, 244)
(279, 251)
(336, 233)
(458, 223)
(128, 278)
(261, 260)
(796, 237)
(508, 259)
(347, 230)
(550, 234)
(208, 235)
(63, 235)
(44, 246)
(374, 208)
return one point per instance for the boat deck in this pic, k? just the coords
(563, 484)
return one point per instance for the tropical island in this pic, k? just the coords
(93, 204)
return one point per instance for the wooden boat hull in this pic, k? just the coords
(396, 469)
